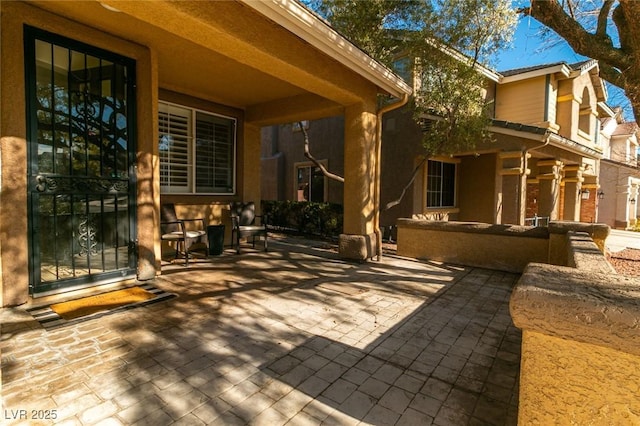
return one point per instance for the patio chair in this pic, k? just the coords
(175, 230)
(243, 220)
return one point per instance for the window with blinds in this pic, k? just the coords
(197, 151)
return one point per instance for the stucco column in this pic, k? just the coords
(148, 168)
(250, 186)
(514, 190)
(572, 192)
(14, 252)
(549, 178)
(358, 240)
(589, 207)
(634, 193)
(623, 198)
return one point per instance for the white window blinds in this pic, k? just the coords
(197, 151)
(175, 140)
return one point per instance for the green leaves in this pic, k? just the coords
(438, 45)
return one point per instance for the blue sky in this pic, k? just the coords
(529, 48)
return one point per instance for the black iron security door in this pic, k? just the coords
(81, 164)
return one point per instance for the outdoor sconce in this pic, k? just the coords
(601, 195)
(632, 201)
(585, 194)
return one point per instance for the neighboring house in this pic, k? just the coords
(544, 159)
(111, 108)
(619, 172)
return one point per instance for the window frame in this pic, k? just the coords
(311, 165)
(191, 149)
(441, 207)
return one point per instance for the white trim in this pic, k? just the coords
(425, 177)
(191, 162)
(519, 133)
(561, 68)
(461, 57)
(294, 17)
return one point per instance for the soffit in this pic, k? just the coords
(221, 51)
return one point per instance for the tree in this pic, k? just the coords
(438, 45)
(606, 30)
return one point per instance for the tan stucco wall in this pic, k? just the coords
(559, 248)
(567, 382)
(570, 96)
(521, 101)
(580, 344)
(476, 188)
(14, 220)
(506, 248)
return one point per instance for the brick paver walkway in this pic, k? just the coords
(293, 336)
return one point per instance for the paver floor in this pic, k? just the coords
(293, 336)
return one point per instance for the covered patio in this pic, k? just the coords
(294, 336)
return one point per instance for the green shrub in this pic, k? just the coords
(311, 218)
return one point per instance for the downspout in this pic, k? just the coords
(378, 154)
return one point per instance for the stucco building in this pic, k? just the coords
(619, 173)
(110, 109)
(544, 160)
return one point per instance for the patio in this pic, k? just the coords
(292, 336)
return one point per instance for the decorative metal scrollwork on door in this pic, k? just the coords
(87, 237)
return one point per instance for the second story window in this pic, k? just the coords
(441, 184)
(197, 151)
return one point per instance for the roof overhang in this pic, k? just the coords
(275, 60)
(543, 135)
(562, 69)
(294, 17)
(593, 69)
(459, 56)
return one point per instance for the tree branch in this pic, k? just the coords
(307, 153)
(612, 75)
(551, 14)
(603, 18)
(397, 201)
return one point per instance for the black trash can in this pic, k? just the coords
(216, 239)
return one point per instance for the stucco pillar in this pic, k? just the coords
(358, 240)
(250, 187)
(623, 202)
(148, 168)
(514, 180)
(14, 254)
(589, 207)
(633, 207)
(549, 178)
(572, 192)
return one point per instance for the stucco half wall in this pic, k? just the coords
(580, 345)
(503, 247)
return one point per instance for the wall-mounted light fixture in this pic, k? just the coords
(584, 193)
(600, 195)
(632, 201)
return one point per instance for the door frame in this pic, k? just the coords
(31, 34)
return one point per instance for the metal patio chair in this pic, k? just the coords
(176, 230)
(243, 219)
